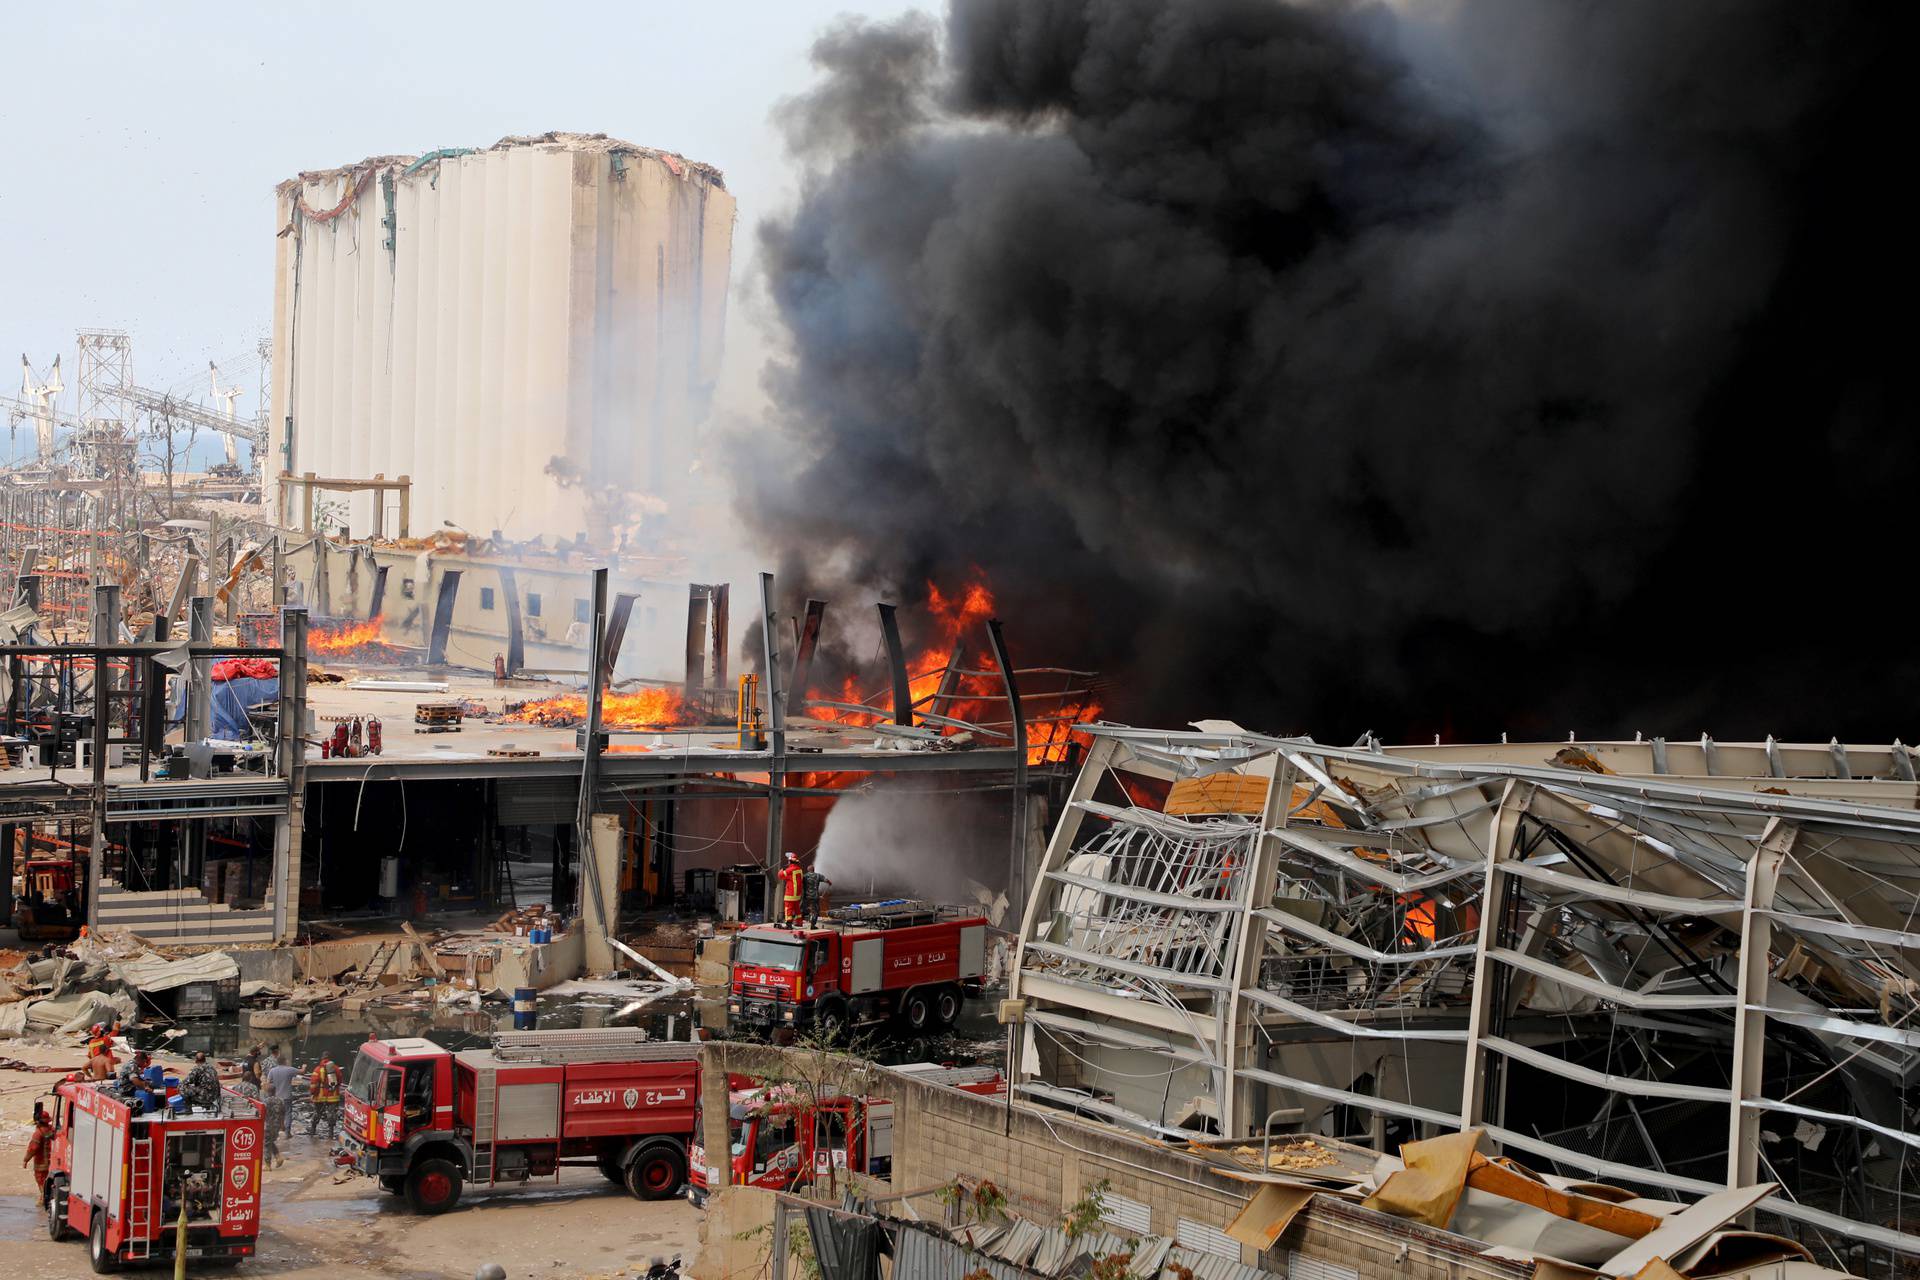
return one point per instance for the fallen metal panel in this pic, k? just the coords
(1843, 1026)
(1118, 1037)
(1833, 1117)
(1607, 991)
(1327, 938)
(1363, 1030)
(1080, 1102)
(1581, 886)
(1390, 1106)
(1846, 929)
(1043, 986)
(1297, 839)
(1600, 1079)
(1172, 901)
(1685, 1228)
(1172, 977)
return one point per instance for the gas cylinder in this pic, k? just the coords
(339, 738)
(373, 735)
(356, 739)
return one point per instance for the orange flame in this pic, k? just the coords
(362, 639)
(959, 618)
(641, 709)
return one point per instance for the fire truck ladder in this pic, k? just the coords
(140, 1194)
(590, 1044)
(485, 1093)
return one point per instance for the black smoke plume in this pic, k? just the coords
(1448, 368)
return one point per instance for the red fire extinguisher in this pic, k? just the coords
(355, 741)
(373, 735)
(339, 738)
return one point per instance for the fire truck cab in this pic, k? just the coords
(119, 1175)
(782, 1145)
(426, 1121)
(778, 1143)
(857, 966)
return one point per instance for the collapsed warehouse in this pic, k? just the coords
(1674, 967)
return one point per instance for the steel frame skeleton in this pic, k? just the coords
(1580, 913)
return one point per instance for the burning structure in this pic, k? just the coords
(529, 330)
(1680, 967)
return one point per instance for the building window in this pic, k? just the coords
(486, 597)
(582, 610)
(533, 604)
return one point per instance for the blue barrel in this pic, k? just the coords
(543, 935)
(526, 1009)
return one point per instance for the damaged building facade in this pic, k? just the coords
(1679, 967)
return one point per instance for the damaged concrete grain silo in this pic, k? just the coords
(529, 332)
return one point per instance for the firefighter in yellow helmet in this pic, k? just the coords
(793, 881)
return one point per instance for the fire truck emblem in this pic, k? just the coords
(630, 1099)
(242, 1140)
(239, 1176)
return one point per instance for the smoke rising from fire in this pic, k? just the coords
(1452, 368)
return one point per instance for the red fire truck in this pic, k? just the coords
(859, 965)
(120, 1179)
(779, 1144)
(426, 1121)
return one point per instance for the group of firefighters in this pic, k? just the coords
(260, 1077)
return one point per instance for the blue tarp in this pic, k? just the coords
(231, 698)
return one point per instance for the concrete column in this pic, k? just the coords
(605, 852)
(713, 1120)
(289, 830)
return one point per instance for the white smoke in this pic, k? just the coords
(900, 840)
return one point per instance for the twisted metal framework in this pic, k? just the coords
(1677, 967)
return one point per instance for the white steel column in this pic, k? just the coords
(1493, 906)
(1244, 964)
(1060, 846)
(1750, 1019)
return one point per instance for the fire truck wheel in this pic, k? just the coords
(434, 1186)
(832, 1019)
(946, 1007)
(98, 1254)
(657, 1172)
(916, 1010)
(57, 1228)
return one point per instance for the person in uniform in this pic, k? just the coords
(323, 1091)
(40, 1147)
(793, 882)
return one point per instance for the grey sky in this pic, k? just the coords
(142, 142)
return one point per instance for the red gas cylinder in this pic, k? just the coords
(373, 735)
(340, 738)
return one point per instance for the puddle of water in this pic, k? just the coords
(20, 1217)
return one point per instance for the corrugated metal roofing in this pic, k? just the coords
(1022, 1250)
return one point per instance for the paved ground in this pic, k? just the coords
(315, 1226)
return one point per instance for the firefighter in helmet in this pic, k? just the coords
(793, 881)
(323, 1090)
(40, 1146)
